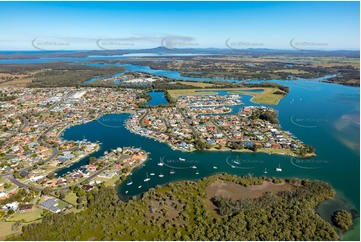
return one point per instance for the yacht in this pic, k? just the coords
(147, 179)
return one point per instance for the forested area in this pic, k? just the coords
(177, 211)
(70, 75)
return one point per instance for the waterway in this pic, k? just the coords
(323, 115)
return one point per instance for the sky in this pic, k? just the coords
(137, 25)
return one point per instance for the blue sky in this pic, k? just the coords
(108, 25)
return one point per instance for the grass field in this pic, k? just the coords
(28, 217)
(197, 84)
(265, 97)
(109, 181)
(5, 229)
(71, 198)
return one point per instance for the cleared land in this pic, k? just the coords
(197, 84)
(238, 192)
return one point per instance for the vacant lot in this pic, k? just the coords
(238, 192)
(197, 84)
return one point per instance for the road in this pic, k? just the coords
(190, 126)
(12, 179)
(221, 130)
(26, 123)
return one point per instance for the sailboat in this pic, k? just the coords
(279, 169)
(265, 171)
(172, 172)
(197, 172)
(147, 179)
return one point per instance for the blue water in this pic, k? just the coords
(327, 116)
(157, 98)
(164, 73)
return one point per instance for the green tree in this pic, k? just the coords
(342, 219)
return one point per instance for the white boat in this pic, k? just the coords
(194, 167)
(152, 174)
(233, 166)
(236, 162)
(182, 159)
(279, 169)
(215, 167)
(265, 171)
(161, 175)
(160, 164)
(147, 179)
(129, 183)
(140, 187)
(126, 192)
(172, 172)
(197, 172)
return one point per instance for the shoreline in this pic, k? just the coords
(261, 150)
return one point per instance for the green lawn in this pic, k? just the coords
(71, 198)
(28, 217)
(62, 204)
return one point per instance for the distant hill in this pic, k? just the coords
(163, 50)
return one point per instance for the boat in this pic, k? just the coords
(197, 172)
(129, 183)
(194, 167)
(140, 187)
(147, 179)
(233, 166)
(126, 192)
(172, 172)
(279, 169)
(265, 171)
(215, 167)
(152, 174)
(160, 164)
(161, 175)
(236, 162)
(182, 159)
